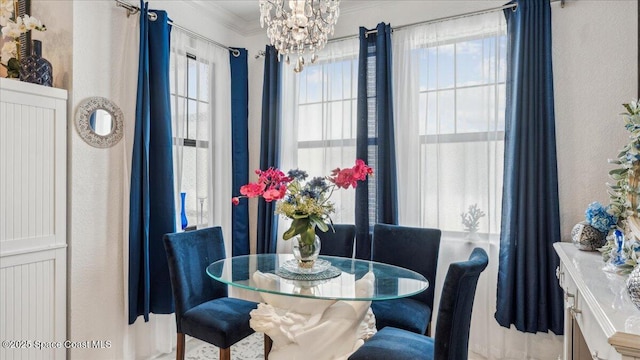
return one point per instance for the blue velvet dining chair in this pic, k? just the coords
(415, 249)
(338, 242)
(451, 341)
(203, 309)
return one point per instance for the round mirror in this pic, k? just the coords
(99, 122)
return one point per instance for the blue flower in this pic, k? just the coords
(598, 216)
(298, 174)
(318, 182)
(310, 193)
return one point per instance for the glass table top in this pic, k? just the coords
(391, 282)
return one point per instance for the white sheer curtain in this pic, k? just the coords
(319, 121)
(201, 114)
(449, 121)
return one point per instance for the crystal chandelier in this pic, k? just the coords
(299, 27)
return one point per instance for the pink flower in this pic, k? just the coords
(274, 194)
(361, 170)
(273, 177)
(252, 189)
(344, 178)
(235, 200)
(350, 177)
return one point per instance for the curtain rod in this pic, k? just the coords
(132, 9)
(447, 18)
(430, 21)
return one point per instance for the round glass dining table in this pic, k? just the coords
(391, 282)
(323, 315)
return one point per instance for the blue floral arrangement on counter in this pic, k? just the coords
(599, 216)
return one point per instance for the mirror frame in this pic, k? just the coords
(83, 114)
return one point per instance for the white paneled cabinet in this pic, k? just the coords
(597, 307)
(33, 213)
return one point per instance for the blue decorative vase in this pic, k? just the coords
(183, 214)
(34, 68)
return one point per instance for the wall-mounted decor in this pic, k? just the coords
(99, 122)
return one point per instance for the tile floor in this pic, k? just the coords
(251, 348)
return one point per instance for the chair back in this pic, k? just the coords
(188, 255)
(456, 304)
(412, 248)
(338, 243)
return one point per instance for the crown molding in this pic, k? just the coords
(227, 18)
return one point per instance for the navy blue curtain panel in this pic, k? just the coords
(377, 200)
(269, 147)
(152, 205)
(240, 148)
(529, 296)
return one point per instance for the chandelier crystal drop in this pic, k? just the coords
(299, 27)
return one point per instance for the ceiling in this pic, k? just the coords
(243, 16)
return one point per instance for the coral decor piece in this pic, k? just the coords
(306, 203)
(471, 218)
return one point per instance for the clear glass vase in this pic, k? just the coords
(306, 254)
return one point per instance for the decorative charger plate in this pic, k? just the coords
(319, 266)
(321, 270)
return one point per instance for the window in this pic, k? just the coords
(461, 125)
(459, 82)
(449, 101)
(326, 130)
(190, 115)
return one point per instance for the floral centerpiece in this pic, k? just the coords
(12, 28)
(306, 203)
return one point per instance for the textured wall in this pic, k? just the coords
(104, 63)
(57, 40)
(595, 58)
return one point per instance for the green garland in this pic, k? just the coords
(624, 193)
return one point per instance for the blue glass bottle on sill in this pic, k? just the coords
(34, 68)
(183, 214)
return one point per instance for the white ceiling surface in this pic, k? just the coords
(243, 16)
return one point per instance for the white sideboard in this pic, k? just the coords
(597, 306)
(33, 215)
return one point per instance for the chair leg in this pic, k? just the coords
(180, 347)
(225, 354)
(268, 343)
